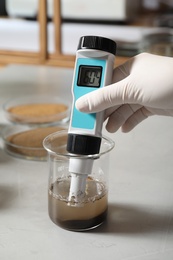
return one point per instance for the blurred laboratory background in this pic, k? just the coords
(47, 32)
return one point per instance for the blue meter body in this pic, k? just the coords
(89, 76)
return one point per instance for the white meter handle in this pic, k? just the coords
(94, 65)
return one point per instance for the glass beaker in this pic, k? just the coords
(92, 209)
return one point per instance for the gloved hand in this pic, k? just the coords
(143, 86)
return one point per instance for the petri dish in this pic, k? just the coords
(37, 111)
(26, 143)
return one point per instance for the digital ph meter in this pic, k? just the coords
(94, 65)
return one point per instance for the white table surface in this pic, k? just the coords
(140, 220)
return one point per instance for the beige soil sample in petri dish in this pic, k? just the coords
(29, 143)
(38, 112)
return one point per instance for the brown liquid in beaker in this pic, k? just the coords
(89, 214)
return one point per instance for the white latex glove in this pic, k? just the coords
(143, 86)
